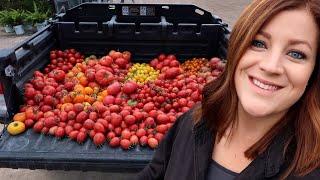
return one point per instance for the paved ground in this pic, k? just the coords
(8, 40)
(228, 10)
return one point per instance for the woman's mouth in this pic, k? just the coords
(264, 85)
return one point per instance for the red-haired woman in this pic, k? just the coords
(261, 118)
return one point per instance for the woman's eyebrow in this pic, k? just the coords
(291, 41)
(265, 34)
(298, 41)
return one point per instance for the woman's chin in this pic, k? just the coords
(257, 111)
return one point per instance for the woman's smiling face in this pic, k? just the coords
(274, 71)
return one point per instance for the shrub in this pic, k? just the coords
(12, 17)
(36, 16)
(5, 18)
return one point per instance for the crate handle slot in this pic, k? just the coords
(165, 7)
(28, 46)
(199, 11)
(111, 7)
(88, 27)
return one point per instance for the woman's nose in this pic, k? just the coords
(272, 64)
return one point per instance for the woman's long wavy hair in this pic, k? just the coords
(220, 101)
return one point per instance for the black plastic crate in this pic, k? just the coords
(145, 30)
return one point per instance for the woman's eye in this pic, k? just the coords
(297, 55)
(258, 44)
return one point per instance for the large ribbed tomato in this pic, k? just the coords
(104, 77)
(57, 74)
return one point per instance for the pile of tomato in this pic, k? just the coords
(111, 100)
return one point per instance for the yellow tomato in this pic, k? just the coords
(141, 73)
(16, 127)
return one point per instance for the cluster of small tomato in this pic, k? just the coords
(194, 65)
(63, 60)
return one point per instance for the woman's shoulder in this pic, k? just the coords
(189, 121)
(313, 175)
(186, 120)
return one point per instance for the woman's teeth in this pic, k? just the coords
(264, 86)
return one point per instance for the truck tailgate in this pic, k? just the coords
(34, 151)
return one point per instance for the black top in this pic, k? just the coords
(217, 171)
(186, 153)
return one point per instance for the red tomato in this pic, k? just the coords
(81, 137)
(29, 123)
(29, 92)
(99, 139)
(125, 144)
(104, 77)
(88, 124)
(153, 143)
(73, 134)
(68, 129)
(141, 132)
(106, 61)
(103, 122)
(130, 119)
(162, 128)
(114, 142)
(110, 135)
(116, 119)
(58, 75)
(134, 140)
(98, 127)
(143, 140)
(158, 136)
(38, 126)
(125, 134)
(81, 117)
(60, 132)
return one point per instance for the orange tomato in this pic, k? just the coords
(99, 98)
(75, 70)
(89, 99)
(70, 74)
(104, 93)
(73, 94)
(66, 107)
(79, 89)
(80, 74)
(20, 117)
(78, 86)
(83, 81)
(88, 90)
(81, 66)
(96, 90)
(79, 98)
(67, 99)
(58, 106)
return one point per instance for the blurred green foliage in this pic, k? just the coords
(27, 5)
